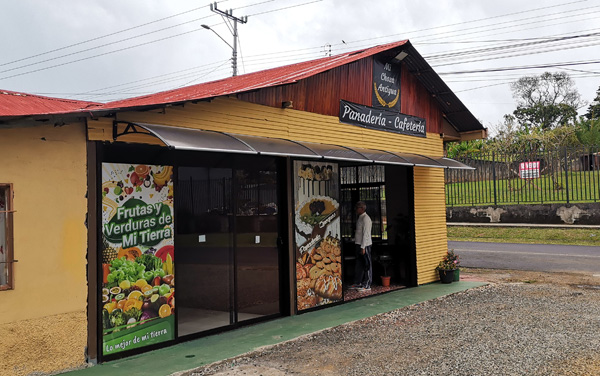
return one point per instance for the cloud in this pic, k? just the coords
(302, 32)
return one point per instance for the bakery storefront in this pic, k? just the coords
(220, 209)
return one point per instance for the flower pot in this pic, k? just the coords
(385, 280)
(446, 276)
(457, 275)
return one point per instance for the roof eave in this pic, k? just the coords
(455, 112)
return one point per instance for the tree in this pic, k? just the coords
(464, 148)
(509, 137)
(593, 111)
(546, 101)
(588, 131)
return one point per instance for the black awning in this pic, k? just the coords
(453, 164)
(420, 160)
(202, 140)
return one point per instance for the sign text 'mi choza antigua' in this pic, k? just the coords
(380, 119)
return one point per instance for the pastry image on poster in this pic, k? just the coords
(138, 277)
(317, 234)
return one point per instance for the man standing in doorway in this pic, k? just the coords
(363, 272)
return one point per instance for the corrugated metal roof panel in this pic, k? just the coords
(13, 103)
(252, 81)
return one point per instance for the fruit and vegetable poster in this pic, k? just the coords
(138, 279)
(317, 234)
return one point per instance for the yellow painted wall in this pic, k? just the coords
(235, 116)
(430, 221)
(47, 167)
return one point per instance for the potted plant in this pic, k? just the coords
(448, 267)
(453, 258)
(385, 278)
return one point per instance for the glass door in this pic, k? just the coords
(204, 244)
(257, 252)
(227, 244)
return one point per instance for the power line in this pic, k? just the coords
(130, 38)
(538, 42)
(102, 54)
(109, 44)
(164, 78)
(285, 8)
(296, 55)
(107, 35)
(198, 78)
(540, 66)
(342, 49)
(502, 25)
(118, 41)
(462, 23)
(530, 52)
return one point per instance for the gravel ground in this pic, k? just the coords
(522, 323)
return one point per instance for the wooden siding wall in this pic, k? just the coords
(430, 222)
(415, 100)
(235, 116)
(321, 93)
(352, 82)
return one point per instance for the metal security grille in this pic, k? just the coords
(560, 175)
(363, 183)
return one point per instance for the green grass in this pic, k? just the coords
(582, 187)
(575, 236)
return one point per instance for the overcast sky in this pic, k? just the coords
(103, 50)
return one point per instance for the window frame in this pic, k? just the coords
(10, 261)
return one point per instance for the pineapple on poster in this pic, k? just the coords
(138, 283)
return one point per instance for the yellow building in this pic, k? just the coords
(243, 188)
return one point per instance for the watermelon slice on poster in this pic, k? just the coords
(164, 251)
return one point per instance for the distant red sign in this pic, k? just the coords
(529, 170)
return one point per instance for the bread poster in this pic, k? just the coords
(317, 234)
(137, 256)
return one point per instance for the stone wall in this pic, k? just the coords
(580, 214)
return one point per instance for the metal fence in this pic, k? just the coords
(565, 175)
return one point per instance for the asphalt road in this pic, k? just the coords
(536, 257)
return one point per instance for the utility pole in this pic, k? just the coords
(229, 15)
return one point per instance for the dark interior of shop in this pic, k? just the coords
(385, 190)
(231, 233)
(228, 244)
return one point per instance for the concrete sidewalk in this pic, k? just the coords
(196, 353)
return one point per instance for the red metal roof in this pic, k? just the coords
(251, 81)
(20, 104)
(13, 103)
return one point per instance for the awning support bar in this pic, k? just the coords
(133, 128)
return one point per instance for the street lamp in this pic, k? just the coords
(229, 15)
(234, 47)
(217, 34)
